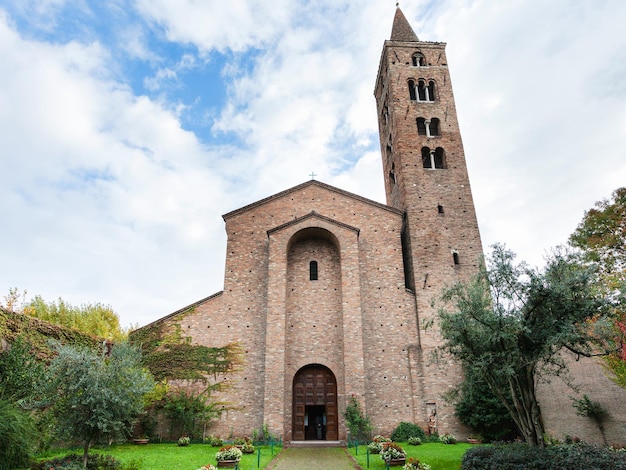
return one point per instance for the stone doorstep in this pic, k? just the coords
(315, 443)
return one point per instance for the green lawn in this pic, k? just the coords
(438, 456)
(172, 457)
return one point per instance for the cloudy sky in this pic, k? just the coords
(127, 128)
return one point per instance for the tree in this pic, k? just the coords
(478, 407)
(20, 372)
(359, 425)
(601, 236)
(592, 410)
(512, 322)
(96, 319)
(97, 395)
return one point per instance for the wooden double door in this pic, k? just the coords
(315, 404)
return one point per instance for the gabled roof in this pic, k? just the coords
(401, 29)
(313, 215)
(305, 185)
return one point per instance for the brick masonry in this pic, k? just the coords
(363, 318)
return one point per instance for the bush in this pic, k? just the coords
(214, 441)
(414, 441)
(360, 426)
(228, 453)
(75, 462)
(406, 430)
(447, 439)
(524, 457)
(184, 441)
(16, 436)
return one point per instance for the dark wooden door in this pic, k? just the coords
(315, 386)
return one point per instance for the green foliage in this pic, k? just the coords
(75, 462)
(20, 372)
(601, 236)
(521, 456)
(97, 395)
(478, 407)
(406, 430)
(593, 410)
(190, 412)
(447, 439)
(96, 319)
(511, 322)
(39, 334)
(17, 435)
(414, 441)
(169, 356)
(359, 425)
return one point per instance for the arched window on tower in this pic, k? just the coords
(433, 158)
(421, 126)
(313, 271)
(412, 90)
(425, 90)
(392, 173)
(418, 59)
(439, 158)
(433, 128)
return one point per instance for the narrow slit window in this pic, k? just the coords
(433, 127)
(313, 271)
(455, 258)
(440, 209)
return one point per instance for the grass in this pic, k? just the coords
(173, 457)
(438, 456)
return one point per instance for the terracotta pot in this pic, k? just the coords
(227, 463)
(474, 441)
(141, 441)
(397, 462)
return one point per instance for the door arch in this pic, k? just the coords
(315, 404)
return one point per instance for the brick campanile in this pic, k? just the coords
(426, 177)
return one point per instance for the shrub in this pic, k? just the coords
(214, 441)
(414, 441)
(392, 451)
(406, 430)
(360, 426)
(247, 447)
(522, 456)
(447, 439)
(75, 462)
(184, 441)
(239, 441)
(16, 436)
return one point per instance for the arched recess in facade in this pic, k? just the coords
(315, 404)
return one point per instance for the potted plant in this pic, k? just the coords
(415, 464)
(208, 467)
(447, 439)
(141, 440)
(393, 454)
(228, 456)
(377, 444)
(184, 441)
(475, 440)
(247, 447)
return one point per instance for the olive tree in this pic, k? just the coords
(511, 323)
(96, 395)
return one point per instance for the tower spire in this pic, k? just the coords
(401, 30)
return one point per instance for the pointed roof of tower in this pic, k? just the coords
(401, 30)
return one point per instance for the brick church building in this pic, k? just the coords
(327, 292)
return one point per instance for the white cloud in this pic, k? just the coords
(110, 200)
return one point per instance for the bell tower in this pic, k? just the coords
(424, 165)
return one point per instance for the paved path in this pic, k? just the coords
(307, 458)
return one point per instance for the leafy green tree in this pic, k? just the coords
(601, 236)
(17, 435)
(96, 319)
(97, 395)
(359, 425)
(478, 407)
(20, 372)
(512, 322)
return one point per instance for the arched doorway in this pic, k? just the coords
(315, 404)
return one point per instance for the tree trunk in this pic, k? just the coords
(86, 452)
(526, 406)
